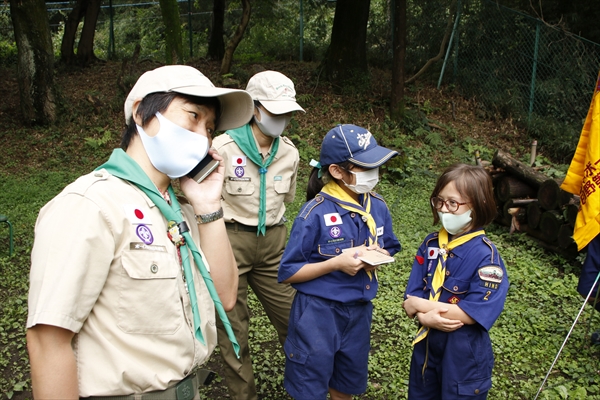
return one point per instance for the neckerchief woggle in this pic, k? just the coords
(333, 192)
(244, 138)
(121, 165)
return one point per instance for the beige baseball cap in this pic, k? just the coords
(237, 106)
(275, 91)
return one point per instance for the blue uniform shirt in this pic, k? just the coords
(321, 231)
(476, 278)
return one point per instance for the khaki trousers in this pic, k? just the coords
(258, 260)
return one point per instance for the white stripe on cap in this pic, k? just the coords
(345, 141)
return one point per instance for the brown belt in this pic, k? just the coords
(186, 389)
(236, 226)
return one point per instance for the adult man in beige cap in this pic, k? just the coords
(120, 297)
(260, 176)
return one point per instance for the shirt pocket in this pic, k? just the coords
(149, 301)
(282, 186)
(334, 249)
(239, 188)
(454, 290)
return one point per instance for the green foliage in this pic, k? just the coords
(102, 141)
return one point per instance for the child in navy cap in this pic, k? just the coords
(327, 346)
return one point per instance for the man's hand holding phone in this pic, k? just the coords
(205, 195)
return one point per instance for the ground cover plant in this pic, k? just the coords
(439, 128)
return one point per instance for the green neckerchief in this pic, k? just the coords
(124, 167)
(244, 138)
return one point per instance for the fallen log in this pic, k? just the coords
(538, 237)
(519, 169)
(550, 224)
(509, 187)
(548, 195)
(565, 236)
(534, 214)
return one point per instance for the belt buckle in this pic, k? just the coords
(185, 390)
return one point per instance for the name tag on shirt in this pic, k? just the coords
(380, 231)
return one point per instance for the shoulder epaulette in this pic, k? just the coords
(222, 140)
(308, 207)
(430, 237)
(288, 141)
(492, 247)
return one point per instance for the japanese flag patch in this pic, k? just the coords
(432, 253)
(137, 215)
(238, 161)
(332, 219)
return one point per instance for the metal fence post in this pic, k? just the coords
(534, 70)
(450, 43)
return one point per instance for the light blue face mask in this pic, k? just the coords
(174, 150)
(453, 223)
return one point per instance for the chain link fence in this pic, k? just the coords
(518, 67)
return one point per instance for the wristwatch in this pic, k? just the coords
(210, 217)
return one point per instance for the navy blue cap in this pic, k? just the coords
(355, 144)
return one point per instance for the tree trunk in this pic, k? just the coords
(85, 48)
(511, 188)
(216, 45)
(35, 66)
(534, 214)
(173, 41)
(67, 54)
(236, 38)
(397, 98)
(346, 57)
(518, 169)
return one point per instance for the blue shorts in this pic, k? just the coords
(327, 346)
(589, 270)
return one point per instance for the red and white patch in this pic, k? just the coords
(137, 215)
(238, 161)
(453, 300)
(432, 253)
(332, 219)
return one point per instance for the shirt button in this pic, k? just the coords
(451, 255)
(154, 268)
(337, 249)
(476, 391)
(291, 355)
(352, 215)
(368, 287)
(239, 190)
(455, 288)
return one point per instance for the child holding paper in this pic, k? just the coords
(327, 347)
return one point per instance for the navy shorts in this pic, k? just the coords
(590, 269)
(327, 346)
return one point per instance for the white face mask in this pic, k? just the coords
(365, 181)
(174, 150)
(455, 223)
(272, 126)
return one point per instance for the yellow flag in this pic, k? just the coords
(583, 176)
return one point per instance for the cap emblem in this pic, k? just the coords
(364, 139)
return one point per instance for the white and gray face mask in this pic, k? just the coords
(174, 150)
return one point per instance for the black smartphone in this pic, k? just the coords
(203, 169)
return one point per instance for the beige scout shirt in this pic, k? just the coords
(241, 189)
(104, 268)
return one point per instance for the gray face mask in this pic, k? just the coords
(272, 126)
(455, 223)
